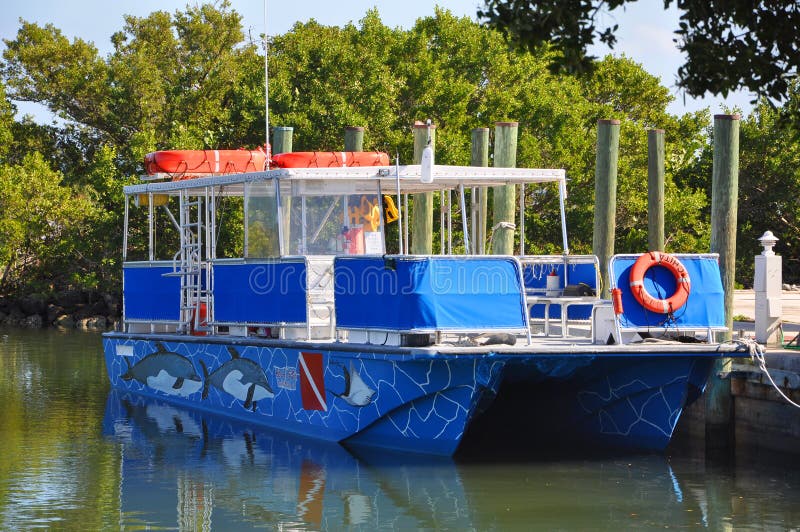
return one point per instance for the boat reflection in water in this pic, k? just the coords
(202, 471)
(231, 476)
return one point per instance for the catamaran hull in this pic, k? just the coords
(417, 400)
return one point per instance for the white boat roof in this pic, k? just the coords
(444, 177)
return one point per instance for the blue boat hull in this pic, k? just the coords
(417, 400)
(593, 402)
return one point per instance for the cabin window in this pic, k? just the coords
(261, 217)
(331, 218)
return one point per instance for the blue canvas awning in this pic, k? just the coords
(429, 293)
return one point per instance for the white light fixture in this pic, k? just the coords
(426, 159)
(426, 165)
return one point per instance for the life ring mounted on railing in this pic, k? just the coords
(661, 306)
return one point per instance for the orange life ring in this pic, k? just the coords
(662, 306)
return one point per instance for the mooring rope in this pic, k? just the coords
(757, 355)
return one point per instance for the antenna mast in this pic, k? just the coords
(266, 88)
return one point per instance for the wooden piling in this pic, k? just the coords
(655, 190)
(504, 197)
(354, 138)
(605, 196)
(422, 223)
(724, 203)
(480, 195)
(282, 139)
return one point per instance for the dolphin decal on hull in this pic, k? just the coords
(356, 392)
(241, 378)
(165, 371)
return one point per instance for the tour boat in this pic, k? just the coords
(273, 297)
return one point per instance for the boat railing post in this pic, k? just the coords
(400, 224)
(562, 195)
(442, 228)
(464, 227)
(448, 196)
(279, 216)
(246, 212)
(125, 229)
(151, 241)
(562, 198)
(522, 219)
(406, 242)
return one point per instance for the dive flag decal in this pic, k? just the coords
(312, 381)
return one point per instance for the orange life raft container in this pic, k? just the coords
(185, 164)
(327, 159)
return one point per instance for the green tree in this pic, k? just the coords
(769, 189)
(748, 44)
(6, 124)
(42, 224)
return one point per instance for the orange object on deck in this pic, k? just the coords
(186, 164)
(327, 159)
(616, 299)
(201, 319)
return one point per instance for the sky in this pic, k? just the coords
(644, 35)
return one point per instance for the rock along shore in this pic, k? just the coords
(74, 309)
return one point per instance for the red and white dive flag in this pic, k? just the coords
(312, 381)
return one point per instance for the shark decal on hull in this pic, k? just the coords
(165, 371)
(241, 378)
(356, 392)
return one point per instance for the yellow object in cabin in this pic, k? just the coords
(374, 217)
(392, 214)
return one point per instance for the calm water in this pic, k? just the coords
(74, 455)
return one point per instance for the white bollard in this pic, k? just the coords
(768, 279)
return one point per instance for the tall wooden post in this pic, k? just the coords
(422, 223)
(724, 203)
(282, 139)
(605, 196)
(480, 195)
(504, 198)
(655, 189)
(282, 143)
(353, 138)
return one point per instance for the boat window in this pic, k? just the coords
(261, 214)
(228, 228)
(332, 218)
(152, 230)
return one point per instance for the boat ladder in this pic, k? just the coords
(189, 265)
